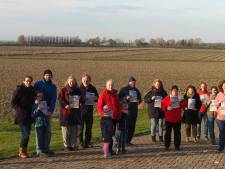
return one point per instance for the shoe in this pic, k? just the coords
(206, 138)
(161, 138)
(80, 147)
(124, 151)
(50, 153)
(195, 139)
(187, 139)
(177, 148)
(130, 144)
(41, 154)
(88, 146)
(166, 148)
(23, 153)
(153, 139)
(67, 148)
(118, 151)
(198, 138)
(112, 153)
(220, 149)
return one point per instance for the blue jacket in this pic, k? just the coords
(40, 119)
(50, 92)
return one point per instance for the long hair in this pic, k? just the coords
(160, 82)
(220, 85)
(74, 80)
(192, 87)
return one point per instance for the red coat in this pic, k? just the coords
(111, 99)
(174, 115)
(203, 108)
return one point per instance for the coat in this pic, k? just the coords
(154, 112)
(72, 116)
(22, 100)
(191, 116)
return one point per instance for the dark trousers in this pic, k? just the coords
(107, 129)
(114, 123)
(87, 121)
(131, 119)
(221, 126)
(41, 134)
(25, 134)
(177, 135)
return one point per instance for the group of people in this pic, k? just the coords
(118, 111)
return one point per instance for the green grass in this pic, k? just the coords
(10, 135)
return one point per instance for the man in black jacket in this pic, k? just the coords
(89, 95)
(133, 96)
(22, 100)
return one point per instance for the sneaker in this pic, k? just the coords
(118, 151)
(41, 154)
(67, 148)
(195, 139)
(23, 153)
(206, 138)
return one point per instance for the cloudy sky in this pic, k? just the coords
(125, 19)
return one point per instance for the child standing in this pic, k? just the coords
(39, 114)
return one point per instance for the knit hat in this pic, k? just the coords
(174, 87)
(48, 71)
(131, 79)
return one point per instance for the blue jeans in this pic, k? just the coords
(206, 126)
(221, 126)
(154, 123)
(48, 136)
(41, 134)
(122, 140)
(211, 122)
(25, 134)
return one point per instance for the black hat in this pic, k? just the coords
(174, 87)
(131, 79)
(48, 71)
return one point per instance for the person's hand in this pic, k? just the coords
(128, 97)
(153, 97)
(169, 108)
(67, 107)
(37, 101)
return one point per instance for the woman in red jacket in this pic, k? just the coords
(173, 106)
(109, 109)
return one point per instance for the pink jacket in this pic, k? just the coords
(220, 98)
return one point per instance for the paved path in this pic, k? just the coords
(143, 154)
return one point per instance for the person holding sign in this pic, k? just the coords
(220, 118)
(204, 97)
(211, 113)
(90, 96)
(70, 116)
(133, 97)
(22, 100)
(190, 117)
(48, 88)
(39, 115)
(154, 98)
(173, 108)
(109, 109)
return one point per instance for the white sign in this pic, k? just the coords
(203, 97)
(43, 107)
(213, 105)
(133, 96)
(158, 100)
(175, 102)
(191, 104)
(90, 97)
(74, 101)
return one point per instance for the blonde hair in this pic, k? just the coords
(155, 81)
(71, 78)
(86, 75)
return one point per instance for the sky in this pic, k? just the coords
(124, 19)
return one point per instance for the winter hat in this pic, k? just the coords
(48, 71)
(131, 79)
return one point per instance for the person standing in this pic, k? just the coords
(154, 98)
(48, 88)
(191, 118)
(133, 96)
(70, 115)
(22, 101)
(90, 96)
(173, 107)
(204, 97)
(109, 109)
(220, 117)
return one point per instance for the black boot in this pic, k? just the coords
(153, 139)
(161, 138)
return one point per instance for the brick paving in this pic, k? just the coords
(143, 154)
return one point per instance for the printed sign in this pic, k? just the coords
(133, 95)
(191, 104)
(203, 97)
(158, 101)
(175, 102)
(90, 98)
(44, 107)
(213, 105)
(74, 101)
